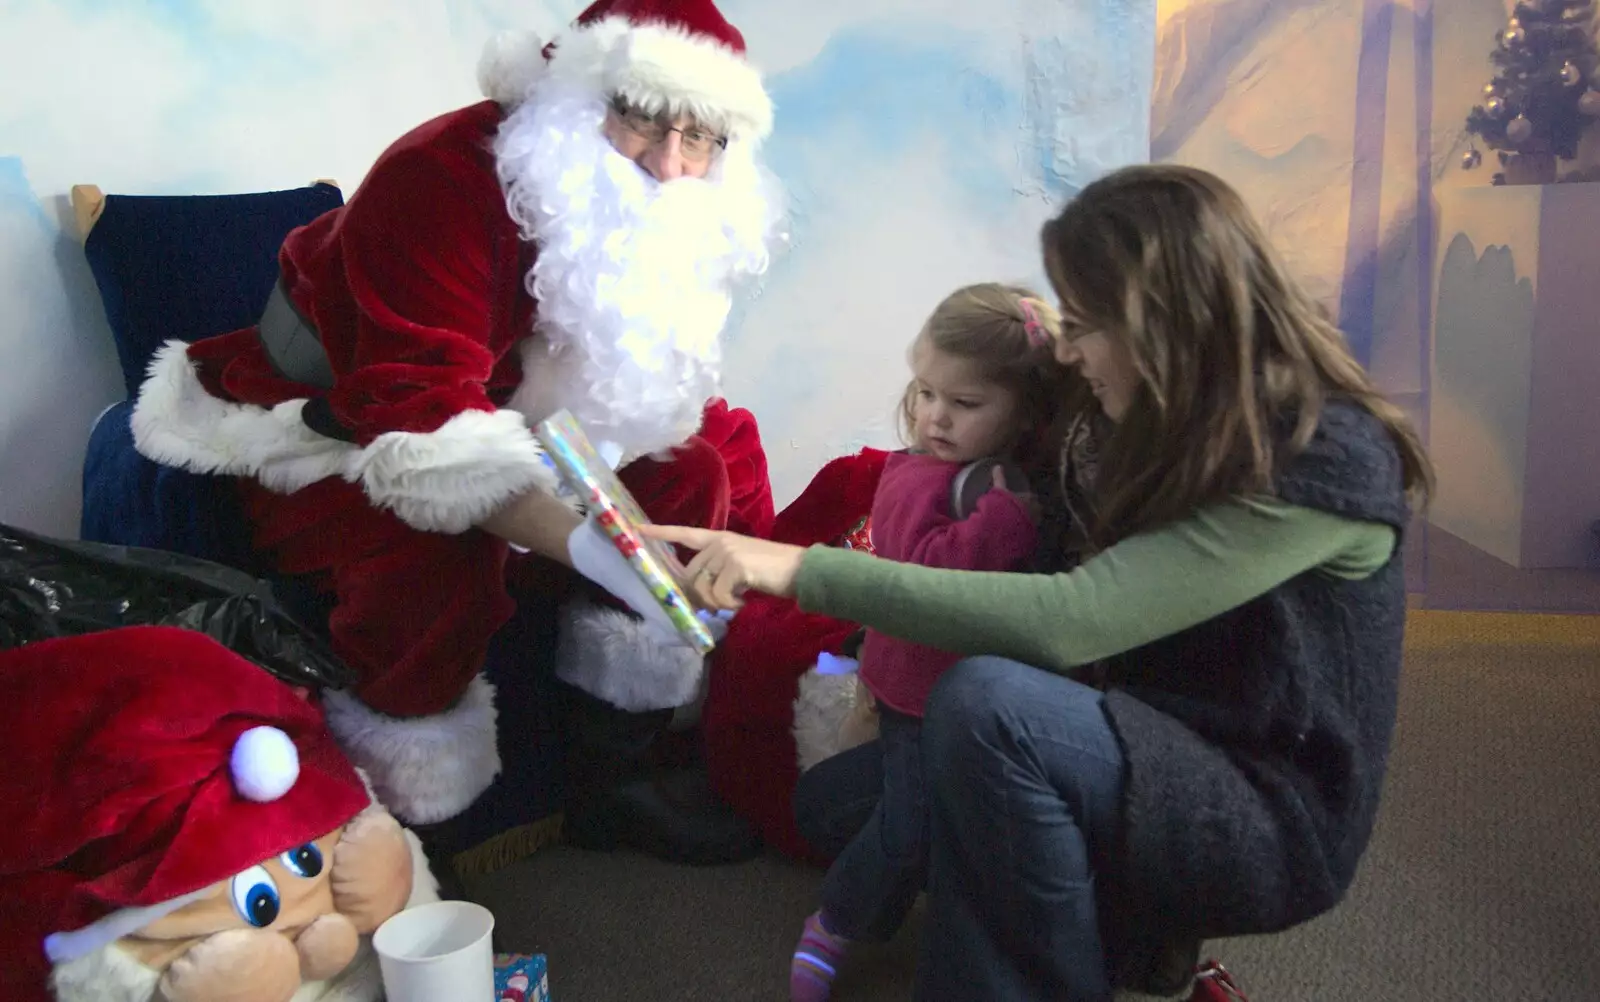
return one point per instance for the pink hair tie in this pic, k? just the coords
(1037, 335)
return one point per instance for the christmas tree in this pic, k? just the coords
(1546, 90)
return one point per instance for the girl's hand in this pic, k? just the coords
(728, 564)
(1029, 501)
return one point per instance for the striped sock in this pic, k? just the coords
(816, 961)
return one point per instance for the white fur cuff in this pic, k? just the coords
(660, 65)
(423, 769)
(177, 423)
(452, 478)
(446, 480)
(624, 661)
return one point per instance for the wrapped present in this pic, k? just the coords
(521, 977)
(589, 477)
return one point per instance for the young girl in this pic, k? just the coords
(984, 386)
(1247, 597)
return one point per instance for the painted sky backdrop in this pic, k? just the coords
(922, 142)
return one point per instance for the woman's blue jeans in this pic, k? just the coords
(1025, 779)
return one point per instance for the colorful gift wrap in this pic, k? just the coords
(521, 977)
(593, 482)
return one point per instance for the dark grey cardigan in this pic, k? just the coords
(1257, 742)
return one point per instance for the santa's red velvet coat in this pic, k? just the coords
(423, 344)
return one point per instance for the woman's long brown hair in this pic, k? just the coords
(1169, 261)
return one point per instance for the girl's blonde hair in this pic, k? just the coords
(1008, 332)
(1168, 261)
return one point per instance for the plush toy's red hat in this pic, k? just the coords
(676, 55)
(143, 766)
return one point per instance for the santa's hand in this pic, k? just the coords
(597, 558)
(1029, 500)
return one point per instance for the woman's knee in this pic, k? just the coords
(968, 702)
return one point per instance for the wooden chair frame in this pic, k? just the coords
(88, 202)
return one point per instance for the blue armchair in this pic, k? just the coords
(185, 267)
(197, 266)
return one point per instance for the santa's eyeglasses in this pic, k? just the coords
(697, 143)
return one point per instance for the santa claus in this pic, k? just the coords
(571, 243)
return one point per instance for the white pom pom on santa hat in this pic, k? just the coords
(511, 63)
(264, 764)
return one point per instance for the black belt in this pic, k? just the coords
(294, 348)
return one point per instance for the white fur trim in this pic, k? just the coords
(657, 66)
(819, 711)
(510, 64)
(423, 769)
(446, 480)
(454, 477)
(176, 422)
(620, 659)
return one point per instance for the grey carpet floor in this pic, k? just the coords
(1482, 882)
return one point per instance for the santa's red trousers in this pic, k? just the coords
(414, 611)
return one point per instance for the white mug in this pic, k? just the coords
(439, 952)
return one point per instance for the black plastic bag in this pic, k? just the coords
(59, 588)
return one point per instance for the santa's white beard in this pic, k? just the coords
(633, 278)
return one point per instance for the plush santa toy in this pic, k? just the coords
(176, 824)
(750, 722)
(497, 263)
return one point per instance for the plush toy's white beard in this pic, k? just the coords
(633, 277)
(111, 975)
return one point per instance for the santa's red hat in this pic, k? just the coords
(680, 56)
(142, 766)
